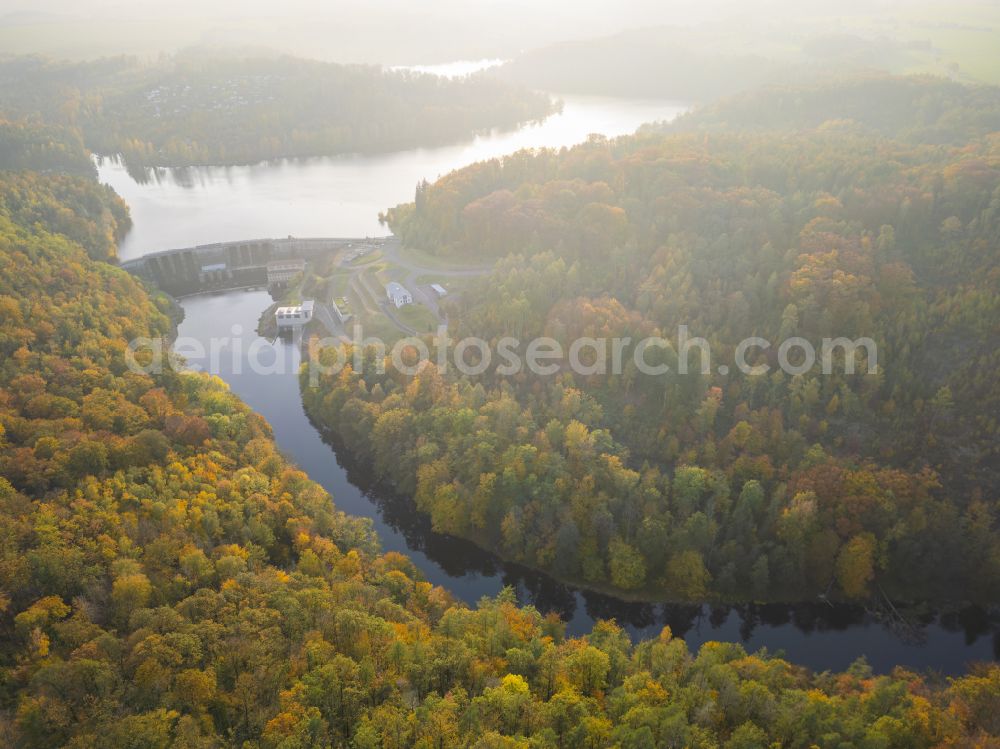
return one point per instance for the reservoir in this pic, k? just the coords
(334, 196)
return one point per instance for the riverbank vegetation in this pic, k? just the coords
(48, 178)
(90, 214)
(914, 109)
(168, 579)
(195, 109)
(729, 485)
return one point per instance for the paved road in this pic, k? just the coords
(391, 250)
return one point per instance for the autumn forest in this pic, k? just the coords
(170, 578)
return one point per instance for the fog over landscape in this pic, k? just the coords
(499, 375)
(392, 32)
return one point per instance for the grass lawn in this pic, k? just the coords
(337, 284)
(429, 261)
(381, 327)
(371, 257)
(418, 317)
(357, 303)
(371, 318)
(381, 275)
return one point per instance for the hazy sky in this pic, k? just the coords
(386, 31)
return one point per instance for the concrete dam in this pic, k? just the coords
(234, 265)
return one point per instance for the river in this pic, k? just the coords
(342, 197)
(334, 196)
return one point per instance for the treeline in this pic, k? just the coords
(702, 64)
(167, 579)
(658, 62)
(734, 486)
(44, 148)
(89, 214)
(47, 179)
(918, 109)
(194, 110)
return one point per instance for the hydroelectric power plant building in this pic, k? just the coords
(294, 316)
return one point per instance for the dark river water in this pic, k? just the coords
(814, 634)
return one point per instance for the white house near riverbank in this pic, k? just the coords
(398, 294)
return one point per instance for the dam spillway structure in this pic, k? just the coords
(232, 265)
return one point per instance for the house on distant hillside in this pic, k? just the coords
(398, 294)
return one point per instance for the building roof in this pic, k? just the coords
(396, 289)
(293, 309)
(441, 290)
